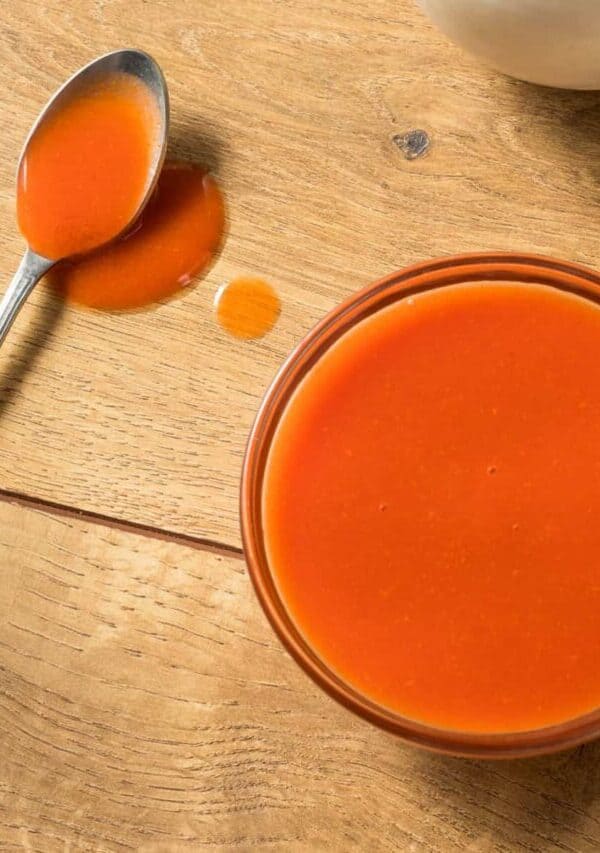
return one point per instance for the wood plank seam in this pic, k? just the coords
(147, 530)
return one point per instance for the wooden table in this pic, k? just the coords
(144, 702)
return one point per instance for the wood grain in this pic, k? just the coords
(145, 705)
(144, 702)
(307, 113)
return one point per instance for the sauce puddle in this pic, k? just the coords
(175, 239)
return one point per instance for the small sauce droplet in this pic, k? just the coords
(175, 239)
(247, 307)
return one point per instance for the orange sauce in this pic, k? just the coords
(176, 237)
(85, 170)
(431, 506)
(247, 307)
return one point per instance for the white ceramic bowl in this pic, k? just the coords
(551, 42)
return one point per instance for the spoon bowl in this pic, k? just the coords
(142, 68)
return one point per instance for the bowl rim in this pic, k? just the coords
(427, 275)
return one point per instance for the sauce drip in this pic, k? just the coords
(176, 238)
(430, 507)
(247, 307)
(85, 170)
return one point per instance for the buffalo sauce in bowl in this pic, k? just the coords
(419, 504)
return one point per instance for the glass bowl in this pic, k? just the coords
(416, 279)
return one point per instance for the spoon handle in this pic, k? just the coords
(30, 271)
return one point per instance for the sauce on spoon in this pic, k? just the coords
(84, 174)
(86, 169)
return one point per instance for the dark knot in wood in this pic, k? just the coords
(413, 144)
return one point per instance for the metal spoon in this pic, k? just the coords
(140, 65)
